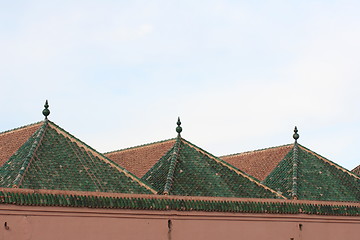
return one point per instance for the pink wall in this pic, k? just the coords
(84, 223)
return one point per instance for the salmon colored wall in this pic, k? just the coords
(84, 223)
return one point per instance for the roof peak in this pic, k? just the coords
(189, 170)
(305, 175)
(35, 161)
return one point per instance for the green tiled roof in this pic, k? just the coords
(306, 175)
(53, 159)
(167, 203)
(190, 171)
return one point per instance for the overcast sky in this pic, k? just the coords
(240, 74)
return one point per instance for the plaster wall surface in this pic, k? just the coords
(23, 222)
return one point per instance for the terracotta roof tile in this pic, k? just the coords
(11, 141)
(259, 163)
(139, 160)
(356, 170)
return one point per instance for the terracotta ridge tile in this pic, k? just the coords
(238, 171)
(99, 155)
(329, 162)
(140, 146)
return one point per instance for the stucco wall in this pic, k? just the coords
(83, 223)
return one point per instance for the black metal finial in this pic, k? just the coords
(296, 135)
(46, 111)
(178, 128)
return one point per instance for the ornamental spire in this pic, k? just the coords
(178, 128)
(46, 111)
(295, 166)
(296, 135)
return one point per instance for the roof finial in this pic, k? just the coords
(46, 111)
(296, 135)
(178, 128)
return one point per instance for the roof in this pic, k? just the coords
(356, 170)
(190, 171)
(258, 163)
(10, 141)
(43, 165)
(303, 174)
(51, 158)
(140, 159)
(57, 198)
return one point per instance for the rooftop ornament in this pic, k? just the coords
(296, 135)
(46, 111)
(178, 128)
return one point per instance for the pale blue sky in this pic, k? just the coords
(240, 74)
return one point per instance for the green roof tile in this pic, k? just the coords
(316, 178)
(190, 171)
(53, 159)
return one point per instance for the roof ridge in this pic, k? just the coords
(39, 135)
(172, 166)
(253, 151)
(295, 168)
(238, 171)
(100, 156)
(139, 146)
(20, 128)
(330, 162)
